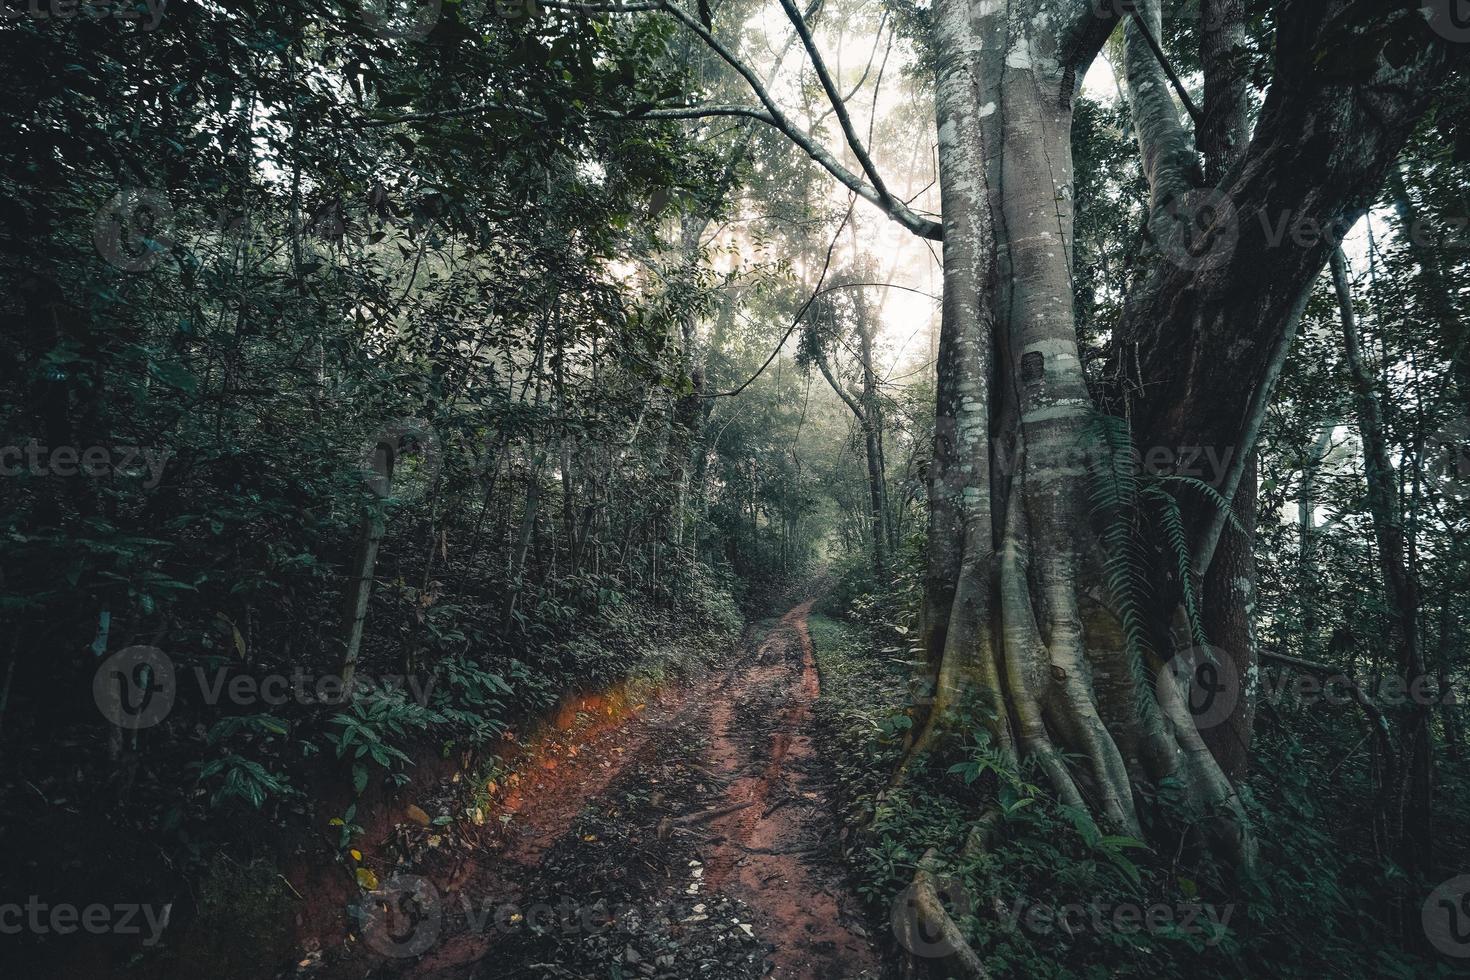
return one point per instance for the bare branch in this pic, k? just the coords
(1166, 152)
(919, 225)
(796, 320)
(699, 112)
(656, 112)
(839, 105)
(867, 70)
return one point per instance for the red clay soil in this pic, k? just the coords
(707, 803)
(801, 907)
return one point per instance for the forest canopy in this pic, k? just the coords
(434, 434)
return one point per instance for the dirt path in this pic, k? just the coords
(695, 839)
(763, 744)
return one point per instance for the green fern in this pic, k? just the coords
(1115, 488)
(1210, 493)
(1122, 496)
(1172, 522)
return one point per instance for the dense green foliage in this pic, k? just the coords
(422, 349)
(228, 281)
(1052, 897)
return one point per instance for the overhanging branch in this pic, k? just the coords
(897, 210)
(839, 105)
(655, 112)
(1173, 76)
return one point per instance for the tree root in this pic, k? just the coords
(930, 917)
(680, 825)
(933, 920)
(715, 814)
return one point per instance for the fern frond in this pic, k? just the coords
(1211, 494)
(1172, 523)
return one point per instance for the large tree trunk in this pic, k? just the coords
(1025, 607)
(1027, 623)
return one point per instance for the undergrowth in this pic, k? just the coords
(1051, 896)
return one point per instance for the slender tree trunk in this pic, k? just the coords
(864, 411)
(360, 578)
(1408, 820)
(1449, 698)
(564, 438)
(1307, 541)
(537, 454)
(1451, 332)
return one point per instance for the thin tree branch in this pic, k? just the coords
(1153, 45)
(820, 356)
(863, 80)
(880, 285)
(839, 105)
(919, 225)
(656, 112)
(698, 112)
(796, 320)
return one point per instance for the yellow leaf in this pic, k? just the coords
(367, 879)
(356, 854)
(335, 822)
(235, 632)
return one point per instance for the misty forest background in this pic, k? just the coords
(459, 348)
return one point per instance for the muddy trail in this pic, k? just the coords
(696, 838)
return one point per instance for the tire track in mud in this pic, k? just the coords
(704, 817)
(761, 738)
